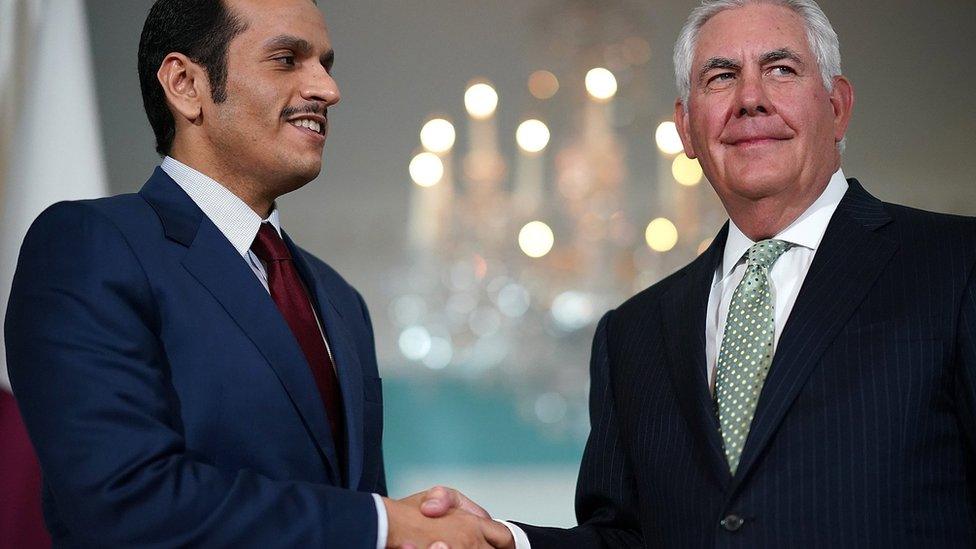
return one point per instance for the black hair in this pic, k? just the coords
(200, 30)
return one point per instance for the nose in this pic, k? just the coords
(321, 86)
(751, 97)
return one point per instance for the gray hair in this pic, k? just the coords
(820, 36)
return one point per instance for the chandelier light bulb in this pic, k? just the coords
(437, 136)
(481, 100)
(667, 138)
(661, 235)
(532, 136)
(601, 84)
(686, 171)
(543, 84)
(536, 239)
(426, 169)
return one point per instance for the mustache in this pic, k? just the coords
(312, 107)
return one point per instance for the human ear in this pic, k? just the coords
(185, 84)
(842, 100)
(682, 123)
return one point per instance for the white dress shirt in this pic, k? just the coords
(240, 224)
(785, 278)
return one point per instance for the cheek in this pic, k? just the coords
(806, 111)
(707, 126)
(257, 102)
(706, 131)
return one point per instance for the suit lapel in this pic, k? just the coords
(347, 365)
(850, 258)
(683, 319)
(212, 261)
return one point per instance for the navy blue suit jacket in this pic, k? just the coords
(865, 431)
(168, 401)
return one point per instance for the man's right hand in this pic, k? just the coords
(457, 528)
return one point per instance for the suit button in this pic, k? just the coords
(732, 523)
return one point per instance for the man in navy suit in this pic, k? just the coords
(810, 379)
(187, 374)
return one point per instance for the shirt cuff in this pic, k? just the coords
(383, 523)
(521, 539)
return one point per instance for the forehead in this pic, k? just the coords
(270, 18)
(751, 30)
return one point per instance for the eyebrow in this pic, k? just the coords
(779, 55)
(300, 46)
(718, 63)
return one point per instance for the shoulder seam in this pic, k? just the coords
(157, 318)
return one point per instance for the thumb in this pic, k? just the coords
(497, 534)
(440, 500)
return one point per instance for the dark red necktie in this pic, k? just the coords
(289, 295)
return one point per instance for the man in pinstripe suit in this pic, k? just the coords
(810, 379)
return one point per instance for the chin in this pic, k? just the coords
(292, 179)
(757, 184)
(311, 172)
(304, 169)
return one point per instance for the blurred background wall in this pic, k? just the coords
(487, 392)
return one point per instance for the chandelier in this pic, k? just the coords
(519, 243)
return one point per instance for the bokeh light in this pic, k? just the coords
(686, 171)
(426, 169)
(415, 342)
(481, 100)
(572, 310)
(661, 234)
(408, 309)
(532, 136)
(438, 135)
(667, 138)
(440, 354)
(513, 300)
(543, 84)
(536, 239)
(601, 84)
(636, 50)
(704, 245)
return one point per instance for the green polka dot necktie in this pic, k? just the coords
(747, 348)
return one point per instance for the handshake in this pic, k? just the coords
(443, 518)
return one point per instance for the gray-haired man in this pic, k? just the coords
(809, 380)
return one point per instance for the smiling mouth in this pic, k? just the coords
(308, 124)
(753, 141)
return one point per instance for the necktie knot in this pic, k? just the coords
(764, 253)
(269, 246)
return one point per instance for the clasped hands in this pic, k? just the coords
(443, 518)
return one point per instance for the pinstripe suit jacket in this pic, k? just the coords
(865, 432)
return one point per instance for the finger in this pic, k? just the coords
(439, 500)
(439, 545)
(414, 500)
(497, 534)
(465, 504)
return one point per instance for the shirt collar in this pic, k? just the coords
(807, 230)
(235, 219)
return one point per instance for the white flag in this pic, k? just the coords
(47, 97)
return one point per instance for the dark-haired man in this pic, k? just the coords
(188, 375)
